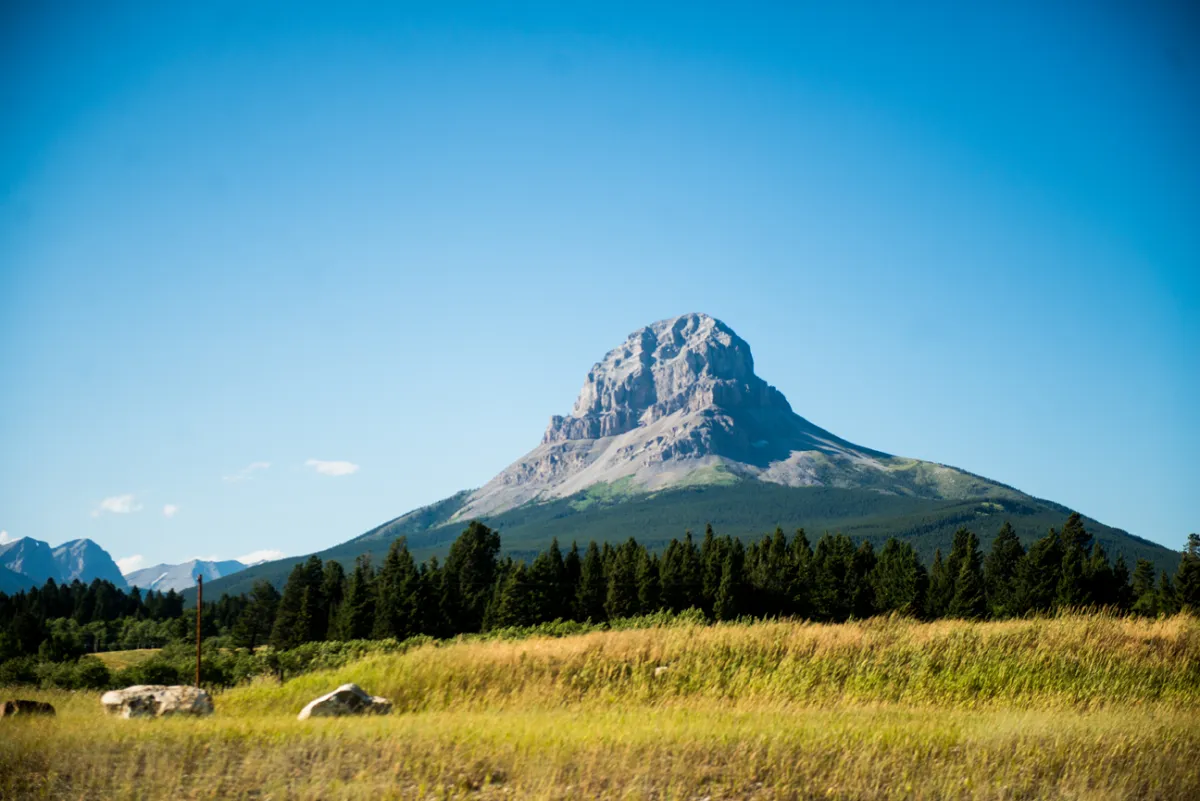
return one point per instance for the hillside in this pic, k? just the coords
(672, 430)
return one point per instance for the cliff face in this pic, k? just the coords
(679, 402)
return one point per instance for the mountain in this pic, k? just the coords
(180, 577)
(673, 429)
(86, 561)
(31, 558)
(81, 560)
(12, 582)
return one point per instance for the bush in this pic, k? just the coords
(22, 670)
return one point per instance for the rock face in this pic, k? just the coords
(349, 699)
(86, 561)
(679, 403)
(156, 701)
(22, 706)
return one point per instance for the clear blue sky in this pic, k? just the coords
(398, 235)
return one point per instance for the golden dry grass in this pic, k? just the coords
(1085, 707)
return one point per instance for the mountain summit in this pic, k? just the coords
(673, 429)
(679, 403)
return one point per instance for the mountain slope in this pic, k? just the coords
(673, 430)
(12, 582)
(85, 561)
(31, 558)
(179, 577)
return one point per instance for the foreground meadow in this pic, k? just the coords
(1076, 707)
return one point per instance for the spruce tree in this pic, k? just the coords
(289, 631)
(1075, 535)
(970, 599)
(1072, 591)
(593, 587)
(1124, 593)
(253, 626)
(648, 590)
(572, 569)
(730, 598)
(517, 603)
(333, 588)
(712, 562)
(1099, 578)
(1187, 577)
(1145, 600)
(621, 597)
(899, 580)
(861, 590)
(1039, 573)
(800, 558)
(396, 588)
(1168, 601)
(941, 587)
(469, 577)
(1000, 573)
(356, 616)
(549, 584)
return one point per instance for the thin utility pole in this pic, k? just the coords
(199, 609)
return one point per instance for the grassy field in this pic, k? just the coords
(1084, 707)
(119, 660)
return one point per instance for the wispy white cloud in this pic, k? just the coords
(260, 556)
(247, 472)
(169, 510)
(128, 564)
(332, 468)
(117, 505)
(4, 538)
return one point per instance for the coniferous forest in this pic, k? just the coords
(46, 631)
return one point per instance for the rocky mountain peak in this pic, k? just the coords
(688, 363)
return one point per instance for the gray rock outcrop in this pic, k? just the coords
(679, 403)
(156, 701)
(349, 699)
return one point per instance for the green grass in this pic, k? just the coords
(119, 660)
(1084, 707)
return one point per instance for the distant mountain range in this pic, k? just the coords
(673, 429)
(30, 563)
(180, 577)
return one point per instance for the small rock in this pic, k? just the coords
(23, 706)
(349, 699)
(156, 701)
(661, 669)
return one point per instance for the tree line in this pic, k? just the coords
(776, 576)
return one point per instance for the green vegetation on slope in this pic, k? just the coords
(745, 509)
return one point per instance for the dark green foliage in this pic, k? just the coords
(1000, 578)
(679, 575)
(1145, 599)
(1187, 577)
(253, 626)
(832, 578)
(396, 589)
(517, 602)
(357, 613)
(900, 580)
(291, 629)
(1039, 574)
(941, 587)
(469, 576)
(649, 590)
(729, 601)
(621, 597)
(593, 587)
(969, 599)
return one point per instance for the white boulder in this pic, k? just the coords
(156, 701)
(349, 699)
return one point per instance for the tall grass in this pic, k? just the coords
(1085, 707)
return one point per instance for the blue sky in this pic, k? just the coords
(272, 275)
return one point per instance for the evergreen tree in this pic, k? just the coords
(679, 575)
(730, 598)
(860, 588)
(430, 619)
(517, 603)
(593, 587)
(800, 563)
(1000, 571)
(899, 579)
(548, 576)
(1072, 583)
(1124, 593)
(1075, 535)
(572, 569)
(253, 626)
(291, 629)
(469, 577)
(356, 616)
(621, 599)
(1039, 573)
(1187, 577)
(648, 589)
(712, 563)
(1100, 579)
(941, 587)
(1145, 600)
(1168, 601)
(396, 588)
(831, 570)
(970, 599)
(333, 588)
